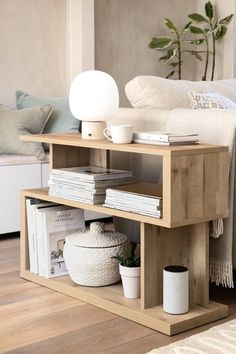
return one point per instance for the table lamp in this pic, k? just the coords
(93, 99)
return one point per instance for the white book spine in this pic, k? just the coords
(131, 204)
(31, 236)
(128, 197)
(148, 136)
(40, 242)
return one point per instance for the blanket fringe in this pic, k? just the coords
(216, 228)
(221, 273)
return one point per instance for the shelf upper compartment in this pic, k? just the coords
(195, 177)
(74, 139)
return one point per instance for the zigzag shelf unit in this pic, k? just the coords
(195, 191)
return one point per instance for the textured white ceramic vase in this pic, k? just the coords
(175, 290)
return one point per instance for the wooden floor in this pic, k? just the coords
(35, 320)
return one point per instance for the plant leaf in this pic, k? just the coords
(174, 64)
(209, 10)
(207, 31)
(197, 41)
(196, 30)
(186, 27)
(161, 42)
(170, 54)
(197, 18)
(226, 20)
(196, 55)
(220, 32)
(170, 74)
(170, 25)
(216, 24)
(119, 258)
(164, 57)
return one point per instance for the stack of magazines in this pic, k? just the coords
(164, 138)
(141, 198)
(86, 184)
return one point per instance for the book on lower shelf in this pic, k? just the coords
(142, 198)
(86, 184)
(165, 138)
(52, 223)
(32, 205)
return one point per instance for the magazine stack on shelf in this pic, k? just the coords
(48, 224)
(164, 138)
(86, 184)
(141, 198)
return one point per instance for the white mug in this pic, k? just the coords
(119, 134)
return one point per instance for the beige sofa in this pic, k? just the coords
(160, 104)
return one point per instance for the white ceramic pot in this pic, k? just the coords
(175, 290)
(131, 281)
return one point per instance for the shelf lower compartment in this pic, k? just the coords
(111, 298)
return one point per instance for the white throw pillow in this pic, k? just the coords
(157, 92)
(202, 100)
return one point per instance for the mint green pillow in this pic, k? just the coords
(61, 119)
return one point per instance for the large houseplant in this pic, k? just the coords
(129, 267)
(208, 30)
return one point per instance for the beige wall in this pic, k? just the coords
(33, 48)
(123, 29)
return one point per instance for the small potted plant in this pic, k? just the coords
(129, 267)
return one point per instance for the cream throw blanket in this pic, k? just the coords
(214, 127)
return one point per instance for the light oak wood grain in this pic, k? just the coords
(179, 237)
(73, 139)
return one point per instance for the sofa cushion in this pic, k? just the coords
(203, 100)
(20, 122)
(12, 159)
(61, 119)
(157, 92)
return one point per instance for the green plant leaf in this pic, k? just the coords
(161, 42)
(170, 55)
(164, 57)
(170, 25)
(197, 18)
(137, 261)
(226, 20)
(220, 32)
(186, 27)
(209, 10)
(119, 258)
(196, 30)
(170, 74)
(216, 24)
(207, 30)
(196, 55)
(197, 41)
(174, 64)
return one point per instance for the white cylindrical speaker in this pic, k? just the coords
(175, 289)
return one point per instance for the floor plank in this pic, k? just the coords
(41, 321)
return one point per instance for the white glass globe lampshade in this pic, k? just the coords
(93, 99)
